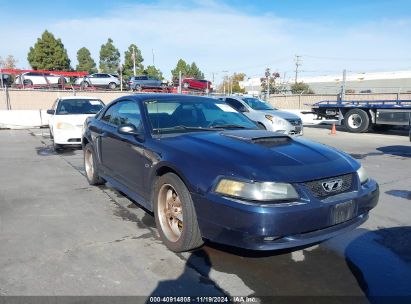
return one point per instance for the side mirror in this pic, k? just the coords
(129, 129)
(51, 112)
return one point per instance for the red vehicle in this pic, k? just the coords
(197, 84)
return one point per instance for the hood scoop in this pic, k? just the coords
(259, 137)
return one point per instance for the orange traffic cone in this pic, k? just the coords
(333, 130)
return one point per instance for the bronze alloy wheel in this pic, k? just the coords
(88, 163)
(170, 212)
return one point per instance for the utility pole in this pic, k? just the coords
(343, 84)
(297, 65)
(267, 75)
(134, 61)
(179, 82)
(152, 50)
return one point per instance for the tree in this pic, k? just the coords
(109, 57)
(232, 83)
(128, 66)
(271, 79)
(85, 62)
(48, 53)
(301, 88)
(153, 72)
(181, 66)
(195, 72)
(9, 63)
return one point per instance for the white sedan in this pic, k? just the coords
(67, 118)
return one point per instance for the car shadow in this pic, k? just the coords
(381, 262)
(396, 150)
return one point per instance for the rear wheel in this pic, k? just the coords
(90, 166)
(138, 88)
(357, 121)
(175, 215)
(84, 84)
(112, 85)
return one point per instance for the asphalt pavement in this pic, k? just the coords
(60, 236)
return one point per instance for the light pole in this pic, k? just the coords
(224, 80)
(133, 55)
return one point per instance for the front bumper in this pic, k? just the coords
(279, 226)
(288, 129)
(68, 137)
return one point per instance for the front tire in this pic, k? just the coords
(175, 215)
(357, 121)
(112, 86)
(90, 166)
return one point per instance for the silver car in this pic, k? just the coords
(265, 115)
(99, 80)
(137, 83)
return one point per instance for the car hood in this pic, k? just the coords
(261, 155)
(283, 114)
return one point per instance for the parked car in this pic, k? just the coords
(197, 84)
(137, 83)
(39, 79)
(67, 118)
(266, 116)
(98, 80)
(206, 171)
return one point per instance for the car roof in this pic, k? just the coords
(78, 97)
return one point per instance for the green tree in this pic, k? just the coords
(85, 62)
(195, 72)
(152, 71)
(48, 53)
(128, 66)
(109, 57)
(181, 66)
(301, 88)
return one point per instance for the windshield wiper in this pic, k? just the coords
(227, 126)
(182, 127)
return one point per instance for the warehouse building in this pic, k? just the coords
(376, 82)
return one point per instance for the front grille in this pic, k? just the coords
(74, 140)
(295, 122)
(317, 189)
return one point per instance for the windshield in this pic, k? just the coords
(196, 114)
(79, 106)
(257, 104)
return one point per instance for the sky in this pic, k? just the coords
(223, 36)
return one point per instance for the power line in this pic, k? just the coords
(357, 59)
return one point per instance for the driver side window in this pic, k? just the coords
(123, 112)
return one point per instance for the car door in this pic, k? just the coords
(96, 80)
(122, 155)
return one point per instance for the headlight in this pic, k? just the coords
(266, 191)
(64, 126)
(276, 120)
(362, 174)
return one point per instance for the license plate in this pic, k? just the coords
(343, 212)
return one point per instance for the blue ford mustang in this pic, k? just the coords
(208, 172)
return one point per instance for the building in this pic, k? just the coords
(375, 82)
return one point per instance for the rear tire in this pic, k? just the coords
(357, 121)
(138, 88)
(90, 166)
(112, 86)
(175, 215)
(84, 84)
